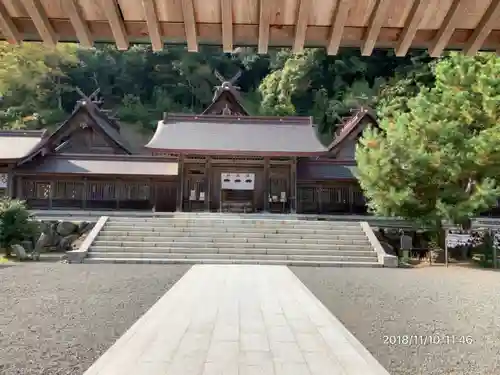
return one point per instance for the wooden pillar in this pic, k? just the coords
(118, 184)
(51, 193)
(266, 184)
(208, 179)
(180, 191)
(19, 188)
(351, 198)
(85, 192)
(10, 183)
(293, 186)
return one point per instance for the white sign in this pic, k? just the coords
(3, 180)
(454, 240)
(237, 181)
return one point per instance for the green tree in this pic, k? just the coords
(438, 159)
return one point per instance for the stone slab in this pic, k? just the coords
(237, 320)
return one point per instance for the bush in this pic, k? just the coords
(16, 224)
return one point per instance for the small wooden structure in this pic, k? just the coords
(470, 25)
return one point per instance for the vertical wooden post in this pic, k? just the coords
(208, 179)
(51, 192)
(10, 183)
(351, 198)
(180, 192)
(85, 193)
(293, 186)
(118, 184)
(266, 184)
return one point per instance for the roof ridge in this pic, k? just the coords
(297, 120)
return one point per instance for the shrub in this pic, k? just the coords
(16, 223)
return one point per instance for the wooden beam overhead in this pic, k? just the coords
(37, 14)
(377, 19)
(8, 27)
(483, 29)
(153, 24)
(115, 19)
(338, 23)
(227, 25)
(78, 22)
(412, 23)
(448, 26)
(190, 25)
(264, 25)
(301, 25)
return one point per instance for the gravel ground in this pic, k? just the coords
(453, 302)
(59, 318)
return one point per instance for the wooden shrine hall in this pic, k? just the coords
(223, 160)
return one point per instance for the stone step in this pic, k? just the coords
(221, 244)
(105, 236)
(188, 231)
(216, 256)
(232, 261)
(266, 223)
(311, 236)
(340, 251)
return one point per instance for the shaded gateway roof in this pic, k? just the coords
(350, 126)
(103, 165)
(16, 144)
(107, 125)
(237, 135)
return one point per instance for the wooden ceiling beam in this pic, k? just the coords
(78, 22)
(115, 19)
(190, 25)
(301, 25)
(483, 29)
(338, 23)
(153, 24)
(227, 25)
(446, 30)
(264, 25)
(8, 27)
(412, 23)
(377, 19)
(39, 17)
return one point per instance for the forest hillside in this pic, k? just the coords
(38, 85)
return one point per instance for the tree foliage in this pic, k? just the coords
(38, 84)
(436, 156)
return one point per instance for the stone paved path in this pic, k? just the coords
(237, 320)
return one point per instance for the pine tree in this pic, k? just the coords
(439, 159)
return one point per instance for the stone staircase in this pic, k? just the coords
(226, 240)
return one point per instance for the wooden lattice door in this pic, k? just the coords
(279, 191)
(195, 189)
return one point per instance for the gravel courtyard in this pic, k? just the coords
(373, 303)
(57, 319)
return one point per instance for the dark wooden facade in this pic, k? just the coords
(88, 164)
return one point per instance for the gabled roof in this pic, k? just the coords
(109, 127)
(351, 126)
(16, 144)
(237, 135)
(227, 92)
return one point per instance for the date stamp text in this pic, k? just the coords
(423, 340)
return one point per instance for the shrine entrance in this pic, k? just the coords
(237, 193)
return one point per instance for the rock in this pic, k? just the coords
(20, 252)
(27, 245)
(43, 241)
(85, 227)
(66, 228)
(65, 243)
